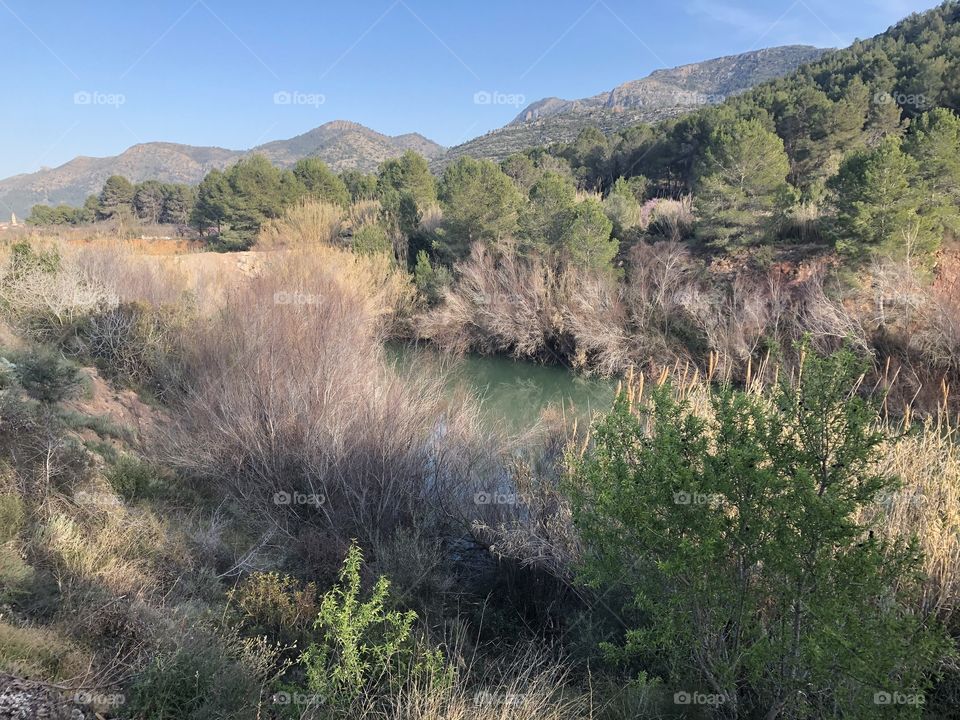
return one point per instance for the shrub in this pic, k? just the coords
(371, 239)
(363, 646)
(735, 530)
(47, 298)
(47, 376)
(277, 605)
(136, 479)
(430, 280)
(311, 222)
(11, 516)
(203, 677)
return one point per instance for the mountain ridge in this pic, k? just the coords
(665, 92)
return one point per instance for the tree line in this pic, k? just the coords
(150, 201)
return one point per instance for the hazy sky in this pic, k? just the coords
(94, 77)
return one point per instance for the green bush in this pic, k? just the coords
(136, 479)
(24, 259)
(363, 647)
(11, 516)
(371, 239)
(47, 376)
(200, 679)
(431, 280)
(735, 531)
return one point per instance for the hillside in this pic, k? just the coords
(341, 144)
(662, 94)
(344, 145)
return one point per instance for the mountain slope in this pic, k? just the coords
(344, 145)
(662, 94)
(339, 143)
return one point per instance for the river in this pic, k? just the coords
(514, 393)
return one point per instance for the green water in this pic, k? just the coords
(514, 393)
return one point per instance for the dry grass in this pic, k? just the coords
(306, 224)
(41, 654)
(673, 219)
(927, 462)
(363, 212)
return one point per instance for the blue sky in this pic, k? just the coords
(94, 77)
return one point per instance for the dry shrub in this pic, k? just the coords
(664, 296)
(47, 304)
(431, 219)
(308, 223)
(287, 392)
(537, 691)
(803, 222)
(673, 219)
(595, 316)
(526, 683)
(501, 303)
(130, 272)
(363, 212)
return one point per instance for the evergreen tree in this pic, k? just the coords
(116, 198)
(405, 189)
(586, 241)
(480, 203)
(148, 198)
(878, 196)
(320, 182)
(213, 202)
(741, 184)
(545, 218)
(934, 142)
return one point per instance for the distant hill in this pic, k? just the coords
(340, 144)
(662, 94)
(344, 145)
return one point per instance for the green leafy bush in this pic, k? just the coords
(136, 479)
(203, 677)
(363, 646)
(47, 376)
(735, 531)
(371, 239)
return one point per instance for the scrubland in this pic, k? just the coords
(300, 528)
